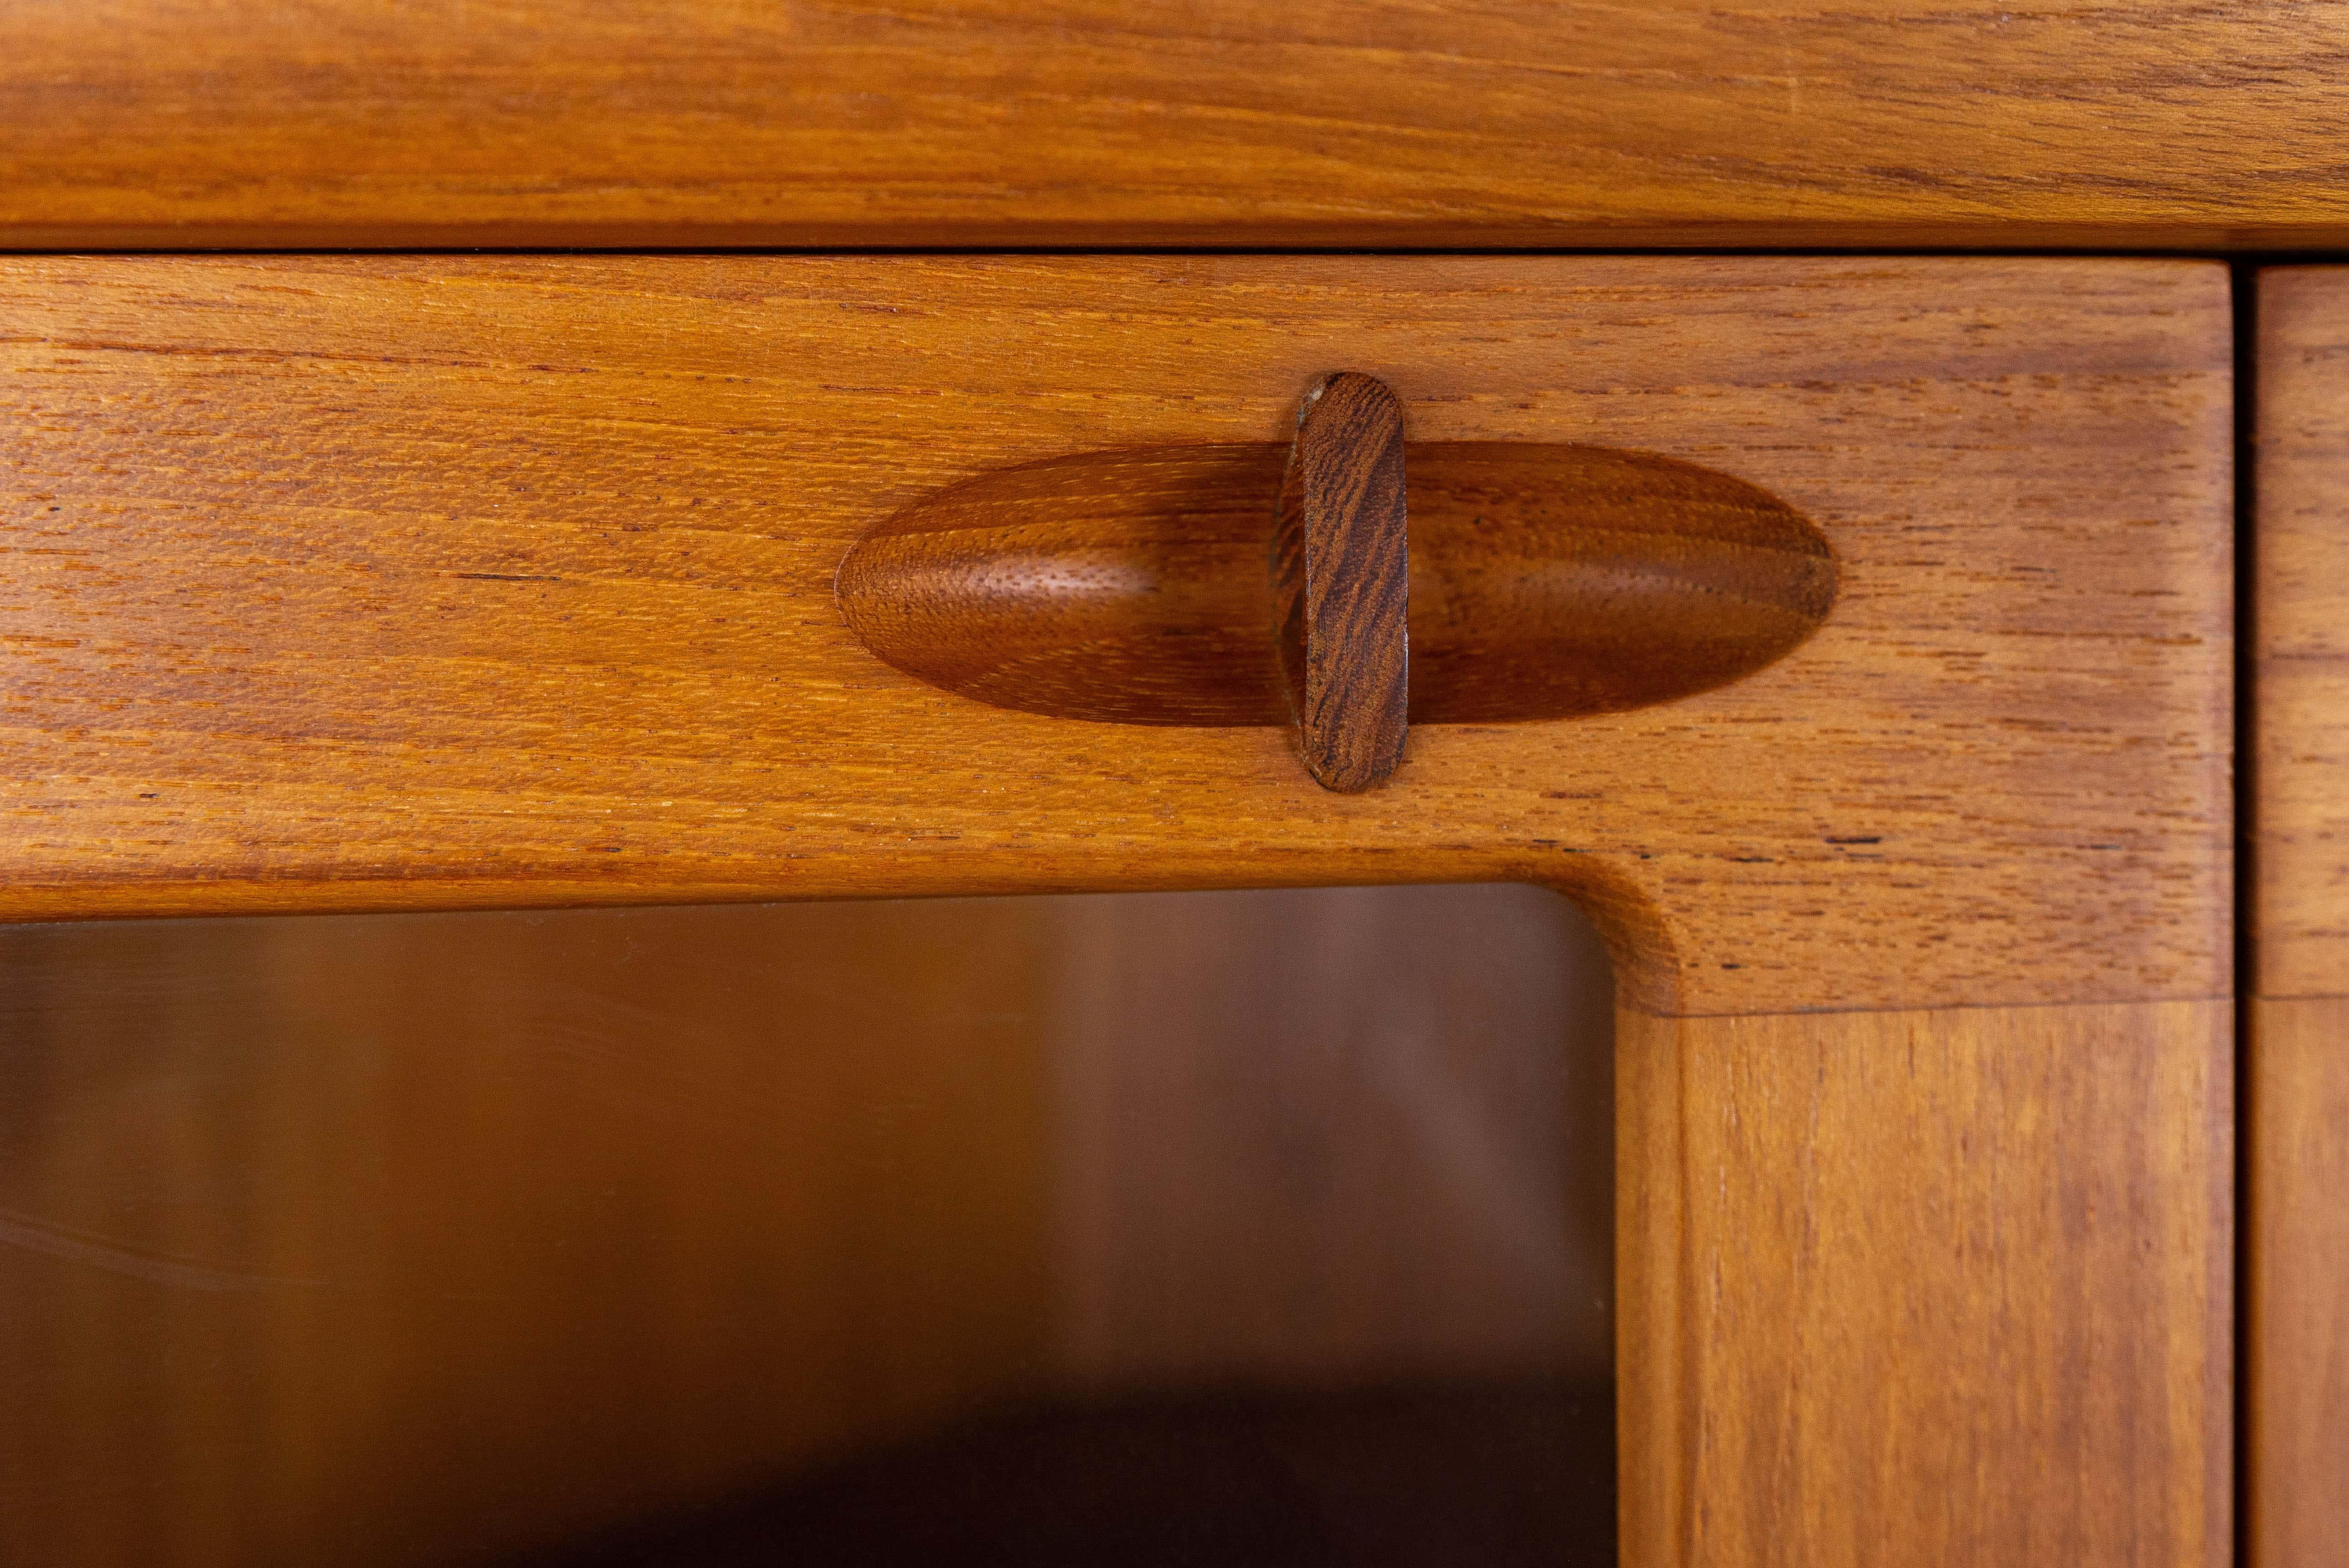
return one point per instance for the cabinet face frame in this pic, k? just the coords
(2297, 1072)
(2166, 125)
(506, 581)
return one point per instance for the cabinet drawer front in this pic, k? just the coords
(413, 582)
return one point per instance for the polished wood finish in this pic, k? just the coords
(1122, 587)
(401, 582)
(2296, 1282)
(2297, 1257)
(1926, 1287)
(2299, 904)
(1556, 582)
(180, 123)
(1547, 581)
(1340, 571)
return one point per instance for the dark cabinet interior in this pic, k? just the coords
(1105, 1226)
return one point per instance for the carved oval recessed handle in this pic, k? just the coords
(1341, 582)
(1547, 581)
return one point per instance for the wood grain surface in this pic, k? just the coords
(1547, 581)
(413, 582)
(1927, 1287)
(181, 123)
(1341, 582)
(2299, 903)
(2296, 1353)
(2297, 1333)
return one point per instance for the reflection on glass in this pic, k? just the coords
(1234, 1227)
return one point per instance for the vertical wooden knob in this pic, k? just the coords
(1341, 582)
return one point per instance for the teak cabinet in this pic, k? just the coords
(509, 580)
(342, 577)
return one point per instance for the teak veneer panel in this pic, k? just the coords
(1947, 1287)
(183, 123)
(413, 582)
